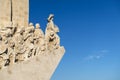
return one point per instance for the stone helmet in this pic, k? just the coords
(50, 17)
(31, 24)
(37, 26)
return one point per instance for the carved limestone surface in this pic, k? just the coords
(51, 37)
(26, 52)
(24, 47)
(18, 44)
(15, 11)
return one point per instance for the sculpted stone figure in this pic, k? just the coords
(6, 45)
(38, 33)
(50, 25)
(11, 51)
(29, 31)
(19, 39)
(7, 33)
(3, 49)
(51, 37)
(39, 40)
(18, 43)
(29, 40)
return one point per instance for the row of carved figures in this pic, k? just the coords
(20, 43)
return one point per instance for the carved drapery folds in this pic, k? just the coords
(51, 37)
(19, 43)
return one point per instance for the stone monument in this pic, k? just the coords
(26, 53)
(16, 11)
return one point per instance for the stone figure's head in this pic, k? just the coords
(22, 30)
(50, 18)
(52, 35)
(11, 43)
(31, 24)
(37, 26)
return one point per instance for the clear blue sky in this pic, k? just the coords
(90, 33)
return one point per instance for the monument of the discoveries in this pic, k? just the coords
(26, 53)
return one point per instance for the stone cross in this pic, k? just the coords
(15, 11)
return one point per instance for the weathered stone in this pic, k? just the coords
(1, 62)
(5, 12)
(39, 39)
(3, 48)
(51, 37)
(25, 48)
(20, 12)
(15, 11)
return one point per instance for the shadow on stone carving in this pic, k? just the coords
(18, 44)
